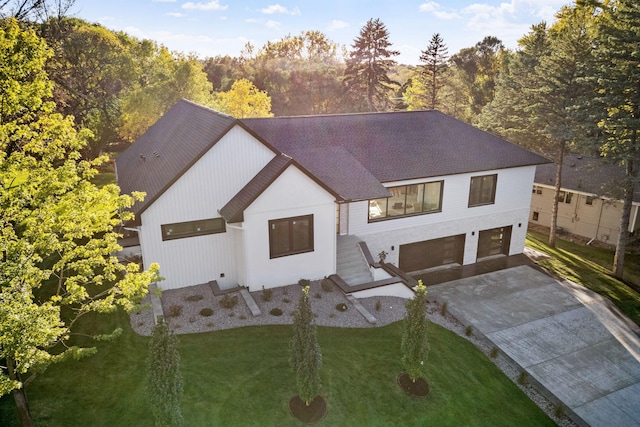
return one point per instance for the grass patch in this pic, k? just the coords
(591, 267)
(104, 178)
(237, 377)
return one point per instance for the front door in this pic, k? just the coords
(494, 242)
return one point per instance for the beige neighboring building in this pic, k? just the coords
(583, 208)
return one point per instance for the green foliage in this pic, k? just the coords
(366, 77)
(164, 383)
(57, 236)
(431, 73)
(266, 294)
(229, 301)
(243, 100)
(304, 351)
(415, 344)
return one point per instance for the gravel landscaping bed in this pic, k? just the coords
(183, 310)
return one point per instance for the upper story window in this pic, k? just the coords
(407, 200)
(483, 190)
(537, 189)
(289, 236)
(180, 230)
(589, 200)
(565, 197)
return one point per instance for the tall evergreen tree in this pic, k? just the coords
(435, 63)
(415, 345)
(164, 383)
(366, 77)
(617, 104)
(305, 355)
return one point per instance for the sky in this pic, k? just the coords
(223, 27)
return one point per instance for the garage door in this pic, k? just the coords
(493, 242)
(432, 253)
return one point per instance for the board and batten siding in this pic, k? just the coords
(292, 194)
(198, 194)
(511, 208)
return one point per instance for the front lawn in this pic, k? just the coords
(241, 377)
(591, 267)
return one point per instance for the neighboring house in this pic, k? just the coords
(266, 202)
(583, 208)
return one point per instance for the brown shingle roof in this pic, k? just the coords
(586, 174)
(397, 146)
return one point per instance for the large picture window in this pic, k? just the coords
(202, 227)
(408, 200)
(289, 236)
(483, 190)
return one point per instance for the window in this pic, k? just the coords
(289, 236)
(408, 200)
(537, 189)
(536, 215)
(589, 200)
(565, 197)
(483, 190)
(180, 230)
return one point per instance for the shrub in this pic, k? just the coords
(342, 307)
(468, 330)
(523, 378)
(193, 298)
(275, 312)
(175, 310)
(558, 410)
(414, 345)
(286, 300)
(242, 317)
(229, 301)
(317, 295)
(378, 305)
(444, 309)
(326, 285)
(493, 353)
(304, 282)
(206, 312)
(267, 294)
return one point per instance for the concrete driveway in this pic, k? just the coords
(574, 343)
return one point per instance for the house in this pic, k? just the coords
(583, 209)
(266, 202)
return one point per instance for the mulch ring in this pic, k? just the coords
(310, 414)
(419, 388)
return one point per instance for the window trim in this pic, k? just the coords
(311, 244)
(386, 215)
(221, 228)
(493, 190)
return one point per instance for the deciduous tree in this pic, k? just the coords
(243, 100)
(57, 236)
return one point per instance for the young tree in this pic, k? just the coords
(367, 73)
(305, 356)
(243, 100)
(164, 385)
(415, 345)
(617, 103)
(435, 63)
(57, 236)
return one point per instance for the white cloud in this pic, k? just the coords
(175, 14)
(438, 11)
(212, 5)
(272, 24)
(278, 8)
(164, 1)
(337, 25)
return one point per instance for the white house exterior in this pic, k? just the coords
(264, 202)
(586, 207)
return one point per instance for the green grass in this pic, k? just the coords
(591, 267)
(104, 178)
(241, 377)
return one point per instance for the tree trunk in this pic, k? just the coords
(621, 244)
(20, 397)
(558, 184)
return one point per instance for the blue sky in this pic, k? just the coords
(223, 27)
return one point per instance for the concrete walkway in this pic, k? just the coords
(571, 341)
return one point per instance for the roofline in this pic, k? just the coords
(584, 193)
(236, 122)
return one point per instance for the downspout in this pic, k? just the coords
(598, 226)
